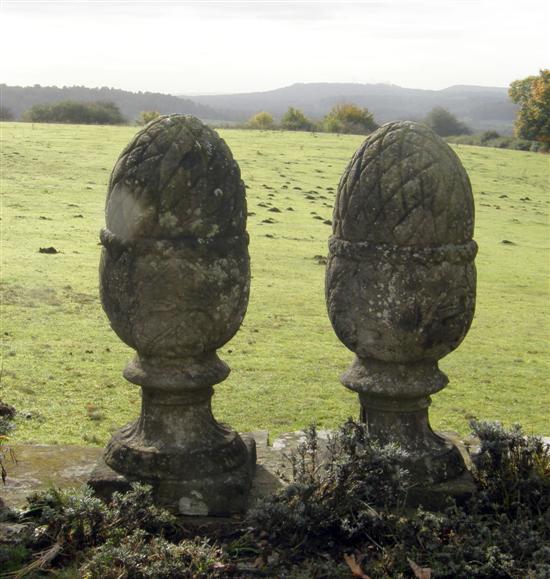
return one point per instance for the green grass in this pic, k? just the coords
(62, 364)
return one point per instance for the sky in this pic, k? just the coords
(213, 47)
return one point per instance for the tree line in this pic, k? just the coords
(350, 119)
(19, 99)
(532, 94)
(342, 118)
(72, 112)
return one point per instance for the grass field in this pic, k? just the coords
(61, 363)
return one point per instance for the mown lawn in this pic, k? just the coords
(61, 363)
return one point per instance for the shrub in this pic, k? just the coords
(146, 117)
(488, 136)
(354, 505)
(513, 470)
(338, 497)
(95, 113)
(342, 511)
(6, 114)
(498, 142)
(142, 556)
(262, 120)
(295, 120)
(350, 119)
(444, 123)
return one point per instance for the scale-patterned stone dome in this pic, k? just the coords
(400, 276)
(176, 178)
(406, 187)
(175, 272)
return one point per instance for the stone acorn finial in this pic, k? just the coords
(401, 282)
(174, 282)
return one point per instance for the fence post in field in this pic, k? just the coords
(174, 282)
(400, 286)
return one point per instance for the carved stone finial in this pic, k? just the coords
(174, 282)
(400, 283)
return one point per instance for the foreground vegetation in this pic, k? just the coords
(345, 516)
(61, 363)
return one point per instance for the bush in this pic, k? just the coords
(6, 114)
(349, 119)
(95, 113)
(295, 120)
(142, 556)
(488, 136)
(342, 511)
(488, 139)
(146, 117)
(354, 504)
(340, 497)
(262, 120)
(444, 123)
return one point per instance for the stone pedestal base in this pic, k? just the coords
(432, 458)
(435, 497)
(216, 495)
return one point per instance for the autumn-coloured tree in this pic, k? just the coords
(349, 118)
(262, 120)
(532, 94)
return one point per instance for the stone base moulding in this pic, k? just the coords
(40, 466)
(220, 494)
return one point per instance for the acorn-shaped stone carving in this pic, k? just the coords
(174, 282)
(175, 271)
(401, 281)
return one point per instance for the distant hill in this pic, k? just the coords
(480, 107)
(21, 98)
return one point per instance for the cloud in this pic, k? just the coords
(241, 46)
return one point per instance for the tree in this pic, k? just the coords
(94, 113)
(349, 118)
(262, 120)
(532, 94)
(5, 114)
(295, 120)
(444, 123)
(145, 117)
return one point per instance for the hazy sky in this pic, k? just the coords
(207, 47)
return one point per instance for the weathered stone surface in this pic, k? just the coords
(176, 178)
(174, 282)
(400, 283)
(39, 466)
(219, 492)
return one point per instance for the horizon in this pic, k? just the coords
(243, 46)
(198, 94)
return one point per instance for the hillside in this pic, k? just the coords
(21, 98)
(480, 107)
